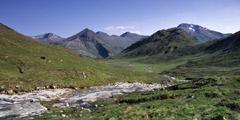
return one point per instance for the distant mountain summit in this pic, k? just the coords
(47, 38)
(200, 33)
(133, 36)
(129, 34)
(85, 43)
(99, 44)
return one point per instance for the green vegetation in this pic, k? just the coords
(132, 64)
(215, 98)
(162, 43)
(201, 99)
(29, 63)
(213, 68)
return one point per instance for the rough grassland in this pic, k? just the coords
(21, 64)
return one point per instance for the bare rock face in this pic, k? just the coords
(21, 110)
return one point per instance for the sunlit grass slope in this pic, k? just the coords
(29, 63)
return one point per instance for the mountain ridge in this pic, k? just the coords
(97, 44)
(200, 33)
(47, 37)
(163, 43)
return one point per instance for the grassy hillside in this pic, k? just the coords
(159, 47)
(218, 57)
(29, 63)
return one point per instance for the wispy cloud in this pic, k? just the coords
(119, 27)
(137, 32)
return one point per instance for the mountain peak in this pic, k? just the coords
(47, 38)
(126, 34)
(86, 29)
(201, 34)
(86, 32)
(163, 42)
(48, 34)
(187, 24)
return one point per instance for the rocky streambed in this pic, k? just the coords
(27, 104)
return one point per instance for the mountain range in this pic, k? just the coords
(99, 44)
(172, 56)
(176, 43)
(200, 33)
(163, 43)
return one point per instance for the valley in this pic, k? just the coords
(168, 75)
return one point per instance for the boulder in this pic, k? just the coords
(37, 88)
(53, 86)
(84, 75)
(47, 87)
(17, 86)
(63, 115)
(9, 91)
(42, 57)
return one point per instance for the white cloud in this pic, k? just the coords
(119, 27)
(137, 32)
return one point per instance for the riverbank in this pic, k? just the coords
(27, 104)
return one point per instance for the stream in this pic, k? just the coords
(27, 104)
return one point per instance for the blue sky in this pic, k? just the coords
(68, 17)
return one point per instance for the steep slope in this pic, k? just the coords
(89, 43)
(86, 43)
(28, 63)
(162, 43)
(229, 44)
(217, 57)
(200, 33)
(222, 52)
(47, 38)
(219, 52)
